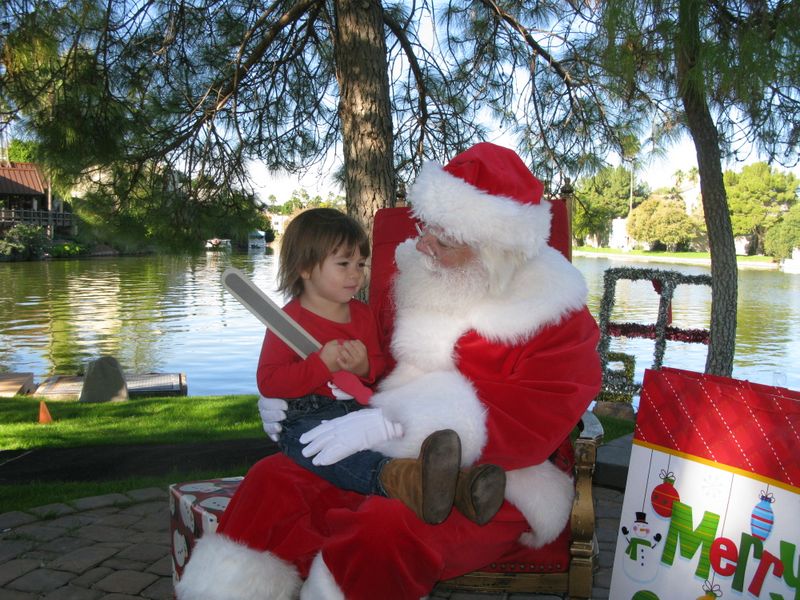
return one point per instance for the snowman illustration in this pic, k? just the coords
(641, 563)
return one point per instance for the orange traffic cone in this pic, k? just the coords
(44, 413)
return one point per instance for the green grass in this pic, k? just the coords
(676, 255)
(614, 428)
(593, 250)
(139, 421)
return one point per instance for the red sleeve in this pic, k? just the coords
(535, 393)
(283, 374)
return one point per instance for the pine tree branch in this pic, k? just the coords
(537, 48)
(405, 44)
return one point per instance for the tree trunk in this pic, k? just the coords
(724, 273)
(364, 108)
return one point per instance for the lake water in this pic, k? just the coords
(170, 314)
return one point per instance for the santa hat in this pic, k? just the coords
(485, 195)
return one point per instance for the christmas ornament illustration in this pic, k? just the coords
(664, 494)
(763, 518)
(710, 592)
(644, 595)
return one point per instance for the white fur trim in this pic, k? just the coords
(477, 217)
(320, 584)
(427, 403)
(544, 495)
(221, 569)
(541, 293)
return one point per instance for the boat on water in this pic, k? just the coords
(216, 244)
(256, 239)
(792, 265)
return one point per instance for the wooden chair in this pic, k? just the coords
(566, 565)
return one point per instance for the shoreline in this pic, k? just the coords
(704, 262)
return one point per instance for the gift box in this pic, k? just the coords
(712, 501)
(195, 508)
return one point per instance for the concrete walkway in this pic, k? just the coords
(117, 546)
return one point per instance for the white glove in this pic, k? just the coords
(338, 392)
(338, 438)
(272, 411)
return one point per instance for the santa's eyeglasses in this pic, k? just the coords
(445, 241)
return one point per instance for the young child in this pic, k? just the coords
(322, 267)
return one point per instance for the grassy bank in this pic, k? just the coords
(677, 256)
(140, 421)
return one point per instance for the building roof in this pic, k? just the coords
(23, 179)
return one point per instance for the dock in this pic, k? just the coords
(16, 384)
(68, 387)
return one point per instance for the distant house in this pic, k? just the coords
(279, 223)
(25, 195)
(22, 187)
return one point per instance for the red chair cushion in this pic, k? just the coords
(552, 558)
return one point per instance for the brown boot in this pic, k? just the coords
(480, 492)
(427, 484)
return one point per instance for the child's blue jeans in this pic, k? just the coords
(358, 472)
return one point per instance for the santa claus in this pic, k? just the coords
(493, 340)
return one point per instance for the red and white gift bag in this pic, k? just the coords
(712, 501)
(195, 508)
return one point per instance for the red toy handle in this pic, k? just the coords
(348, 382)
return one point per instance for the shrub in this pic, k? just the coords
(784, 236)
(662, 223)
(67, 249)
(24, 242)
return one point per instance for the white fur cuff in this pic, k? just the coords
(320, 584)
(544, 495)
(221, 569)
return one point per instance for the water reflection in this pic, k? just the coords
(171, 314)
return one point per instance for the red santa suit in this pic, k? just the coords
(511, 368)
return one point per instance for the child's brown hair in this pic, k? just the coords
(310, 238)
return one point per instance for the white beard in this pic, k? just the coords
(424, 284)
(434, 308)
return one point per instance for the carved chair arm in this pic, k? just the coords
(582, 517)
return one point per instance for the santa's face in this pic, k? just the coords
(448, 253)
(423, 282)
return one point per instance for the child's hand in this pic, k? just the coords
(353, 357)
(330, 354)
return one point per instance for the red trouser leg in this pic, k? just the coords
(281, 507)
(382, 550)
